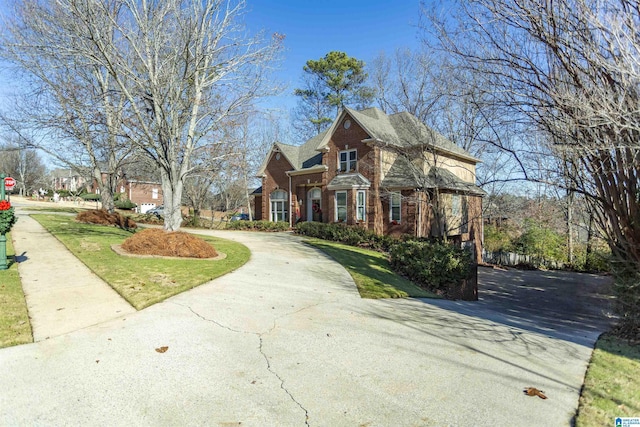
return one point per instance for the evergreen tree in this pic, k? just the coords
(330, 82)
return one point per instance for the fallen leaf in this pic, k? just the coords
(162, 349)
(532, 391)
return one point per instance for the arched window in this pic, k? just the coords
(279, 210)
(315, 193)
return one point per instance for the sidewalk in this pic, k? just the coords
(62, 294)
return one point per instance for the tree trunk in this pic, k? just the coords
(570, 257)
(106, 190)
(172, 200)
(589, 251)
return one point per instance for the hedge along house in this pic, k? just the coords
(386, 173)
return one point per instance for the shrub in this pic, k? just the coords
(258, 225)
(497, 239)
(431, 265)
(125, 204)
(349, 235)
(91, 196)
(541, 242)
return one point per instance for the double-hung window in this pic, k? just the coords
(341, 206)
(361, 205)
(394, 207)
(348, 160)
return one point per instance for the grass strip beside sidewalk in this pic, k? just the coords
(141, 281)
(15, 327)
(370, 271)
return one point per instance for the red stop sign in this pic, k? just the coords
(9, 183)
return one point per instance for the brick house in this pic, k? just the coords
(145, 193)
(66, 179)
(387, 173)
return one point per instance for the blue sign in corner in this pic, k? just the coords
(627, 422)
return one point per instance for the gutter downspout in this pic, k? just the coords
(419, 230)
(290, 203)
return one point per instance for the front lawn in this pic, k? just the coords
(370, 271)
(14, 318)
(141, 281)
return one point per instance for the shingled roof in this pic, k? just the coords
(399, 130)
(403, 175)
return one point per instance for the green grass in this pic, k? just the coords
(371, 271)
(14, 318)
(141, 281)
(612, 384)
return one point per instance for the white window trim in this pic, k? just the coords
(273, 212)
(362, 206)
(398, 205)
(348, 169)
(456, 205)
(346, 204)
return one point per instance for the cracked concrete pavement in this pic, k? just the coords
(286, 340)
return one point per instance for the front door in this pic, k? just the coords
(315, 205)
(316, 211)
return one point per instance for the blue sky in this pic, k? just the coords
(360, 28)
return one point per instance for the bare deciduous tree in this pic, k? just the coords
(25, 165)
(569, 69)
(181, 69)
(70, 109)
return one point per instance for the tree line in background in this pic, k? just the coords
(538, 228)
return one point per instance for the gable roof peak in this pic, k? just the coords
(373, 112)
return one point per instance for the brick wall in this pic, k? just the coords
(143, 192)
(275, 178)
(350, 139)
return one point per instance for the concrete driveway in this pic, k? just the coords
(286, 340)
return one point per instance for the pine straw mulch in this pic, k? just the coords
(158, 242)
(102, 217)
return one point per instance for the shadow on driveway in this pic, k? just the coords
(574, 307)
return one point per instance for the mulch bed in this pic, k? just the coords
(102, 217)
(158, 242)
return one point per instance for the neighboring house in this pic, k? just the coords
(66, 179)
(146, 194)
(387, 173)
